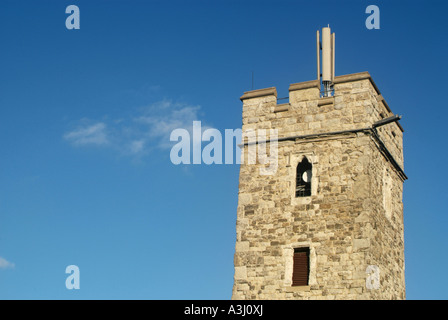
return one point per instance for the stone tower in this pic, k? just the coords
(328, 224)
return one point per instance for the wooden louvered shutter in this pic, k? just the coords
(301, 267)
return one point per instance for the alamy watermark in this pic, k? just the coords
(188, 149)
(73, 20)
(373, 277)
(73, 280)
(373, 21)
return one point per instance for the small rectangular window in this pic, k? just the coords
(301, 267)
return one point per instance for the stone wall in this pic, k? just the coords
(349, 222)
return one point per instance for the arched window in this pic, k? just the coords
(303, 181)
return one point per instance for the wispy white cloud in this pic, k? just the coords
(88, 134)
(5, 264)
(140, 132)
(137, 146)
(160, 119)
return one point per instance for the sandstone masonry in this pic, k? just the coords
(354, 216)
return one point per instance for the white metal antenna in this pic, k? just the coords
(328, 56)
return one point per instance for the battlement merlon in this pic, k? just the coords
(356, 104)
(310, 90)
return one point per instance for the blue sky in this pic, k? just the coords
(85, 117)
